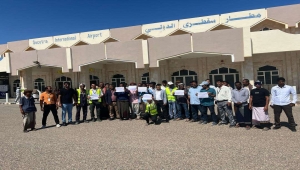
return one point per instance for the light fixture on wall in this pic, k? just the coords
(222, 62)
(38, 64)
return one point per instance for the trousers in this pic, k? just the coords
(288, 110)
(47, 109)
(223, 109)
(84, 110)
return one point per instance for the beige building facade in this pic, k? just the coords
(257, 44)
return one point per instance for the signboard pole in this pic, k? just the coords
(6, 97)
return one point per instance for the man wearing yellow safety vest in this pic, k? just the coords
(94, 97)
(81, 104)
(151, 112)
(170, 91)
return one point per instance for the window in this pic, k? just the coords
(267, 74)
(184, 76)
(224, 73)
(94, 80)
(117, 79)
(266, 29)
(145, 78)
(16, 84)
(39, 84)
(59, 82)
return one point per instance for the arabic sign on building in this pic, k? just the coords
(66, 40)
(94, 37)
(200, 24)
(244, 18)
(160, 29)
(41, 43)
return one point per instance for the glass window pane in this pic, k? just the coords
(173, 79)
(188, 79)
(267, 68)
(268, 77)
(192, 73)
(175, 73)
(17, 81)
(91, 77)
(69, 79)
(237, 77)
(146, 74)
(260, 73)
(230, 79)
(214, 71)
(184, 72)
(274, 72)
(63, 78)
(223, 70)
(210, 78)
(261, 78)
(274, 79)
(232, 71)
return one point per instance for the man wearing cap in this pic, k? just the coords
(281, 101)
(240, 98)
(81, 104)
(224, 103)
(194, 100)
(170, 91)
(208, 103)
(259, 102)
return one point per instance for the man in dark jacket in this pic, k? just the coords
(111, 101)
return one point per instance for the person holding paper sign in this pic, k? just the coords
(170, 91)
(182, 103)
(95, 102)
(134, 100)
(123, 102)
(160, 98)
(194, 100)
(224, 103)
(208, 103)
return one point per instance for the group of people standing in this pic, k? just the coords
(168, 101)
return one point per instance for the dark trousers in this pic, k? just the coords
(95, 104)
(212, 113)
(47, 109)
(153, 118)
(84, 110)
(287, 110)
(160, 106)
(195, 109)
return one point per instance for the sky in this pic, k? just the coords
(26, 19)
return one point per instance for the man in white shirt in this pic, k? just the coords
(164, 84)
(223, 100)
(281, 101)
(160, 98)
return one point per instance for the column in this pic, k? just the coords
(84, 76)
(26, 79)
(247, 70)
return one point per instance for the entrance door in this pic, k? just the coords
(226, 74)
(184, 76)
(39, 84)
(59, 82)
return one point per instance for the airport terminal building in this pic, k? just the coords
(257, 44)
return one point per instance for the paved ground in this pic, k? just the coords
(132, 145)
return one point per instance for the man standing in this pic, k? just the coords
(281, 101)
(48, 102)
(134, 101)
(208, 103)
(210, 85)
(259, 102)
(111, 101)
(170, 91)
(224, 103)
(82, 104)
(160, 98)
(164, 84)
(182, 103)
(194, 100)
(240, 98)
(104, 108)
(18, 95)
(94, 97)
(65, 100)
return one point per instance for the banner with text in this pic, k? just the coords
(200, 24)
(160, 29)
(94, 37)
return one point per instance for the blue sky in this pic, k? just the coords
(25, 19)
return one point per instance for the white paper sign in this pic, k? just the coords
(142, 89)
(203, 95)
(94, 96)
(147, 97)
(132, 88)
(120, 89)
(179, 92)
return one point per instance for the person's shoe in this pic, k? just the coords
(222, 123)
(64, 124)
(248, 127)
(231, 126)
(93, 119)
(192, 121)
(254, 127)
(204, 123)
(167, 121)
(99, 120)
(44, 126)
(276, 127)
(214, 124)
(77, 123)
(266, 129)
(86, 121)
(293, 129)
(33, 129)
(58, 125)
(147, 124)
(111, 119)
(70, 123)
(25, 131)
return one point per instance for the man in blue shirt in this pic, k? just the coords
(208, 103)
(194, 100)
